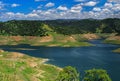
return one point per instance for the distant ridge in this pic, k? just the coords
(60, 26)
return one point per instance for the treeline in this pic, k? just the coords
(66, 27)
(23, 28)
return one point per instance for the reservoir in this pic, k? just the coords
(99, 56)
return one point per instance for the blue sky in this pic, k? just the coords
(58, 9)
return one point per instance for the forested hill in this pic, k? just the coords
(66, 27)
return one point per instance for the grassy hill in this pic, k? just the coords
(52, 40)
(20, 67)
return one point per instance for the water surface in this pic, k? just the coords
(83, 58)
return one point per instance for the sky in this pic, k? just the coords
(58, 9)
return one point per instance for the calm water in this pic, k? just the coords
(83, 58)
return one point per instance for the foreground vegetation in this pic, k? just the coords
(70, 74)
(19, 67)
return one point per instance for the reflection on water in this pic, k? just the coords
(83, 58)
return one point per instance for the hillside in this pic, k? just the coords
(52, 40)
(20, 67)
(65, 27)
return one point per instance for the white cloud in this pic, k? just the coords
(76, 8)
(50, 4)
(109, 10)
(116, 7)
(15, 5)
(2, 5)
(32, 15)
(118, 1)
(75, 11)
(11, 16)
(109, 5)
(10, 13)
(19, 15)
(113, 7)
(79, 0)
(90, 3)
(106, 10)
(39, 0)
(96, 9)
(62, 8)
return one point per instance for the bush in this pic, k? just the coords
(96, 75)
(68, 74)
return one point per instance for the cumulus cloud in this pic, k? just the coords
(108, 10)
(50, 4)
(116, 7)
(11, 16)
(76, 8)
(32, 15)
(109, 5)
(62, 8)
(90, 3)
(113, 7)
(96, 9)
(72, 13)
(15, 5)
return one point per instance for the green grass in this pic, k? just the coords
(48, 72)
(112, 41)
(56, 40)
(64, 40)
(14, 69)
(5, 67)
(66, 44)
(19, 64)
(117, 50)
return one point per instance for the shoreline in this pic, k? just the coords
(115, 40)
(27, 66)
(48, 64)
(49, 41)
(44, 60)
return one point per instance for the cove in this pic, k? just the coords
(83, 58)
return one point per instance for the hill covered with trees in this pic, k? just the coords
(66, 27)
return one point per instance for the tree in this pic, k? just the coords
(96, 75)
(68, 74)
(117, 26)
